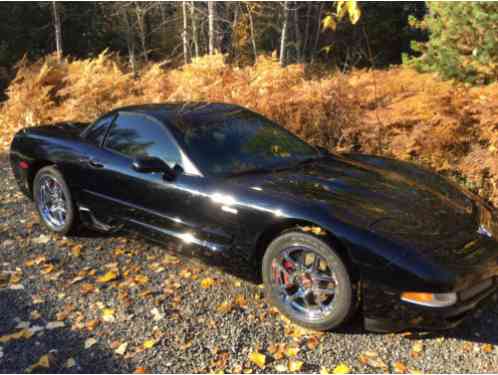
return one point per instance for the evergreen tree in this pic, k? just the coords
(463, 41)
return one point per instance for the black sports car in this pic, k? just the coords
(329, 233)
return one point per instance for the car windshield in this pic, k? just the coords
(239, 142)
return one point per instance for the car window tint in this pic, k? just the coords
(234, 142)
(97, 132)
(135, 135)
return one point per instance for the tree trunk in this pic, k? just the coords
(211, 26)
(283, 39)
(195, 38)
(184, 32)
(253, 37)
(143, 31)
(130, 41)
(299, 41)
(307, 31)
(58, 29)
(317, 35)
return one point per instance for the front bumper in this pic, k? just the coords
(383, 310)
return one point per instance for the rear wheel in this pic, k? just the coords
(54, 201)
(306, 279)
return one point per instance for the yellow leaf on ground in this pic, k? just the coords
(225, 307)
(76, 250)
(487, 348)
(342, 369)
(291, 351)
(109, 276)
(400, 368)
(149, 344)
(108, 315)
(22, 334)
(324, 371)
(42, 362)
(141, 279)
(258, 359)
(295, 366)
(207, 282)
(121, 349)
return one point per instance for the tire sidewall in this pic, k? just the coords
(70, 210)
(343, 302)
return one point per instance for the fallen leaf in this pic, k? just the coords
(400, 368)
(156, 314)
(49, 267)
(140, 370)
(281, 368)
(225, 307)
(258, 359)
(41, 240)
(141, 279)
(487, 348)
(207, 282)
(291, 351)
(121, 349)
(372, 359)
(91, 324)
(312, 343)
(107, 277)
(90, 342)
(185, 345)
(148, 344)
(71, 362)
(22, 334)
(324, 371)
(87, 288)
(76, 250)
(108, 315)
(44, 361)
(342, 368)
(54, 325)
(417, 349)
(295, 366)
(34, 315)
(241, 301)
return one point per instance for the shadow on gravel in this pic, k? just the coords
(62, 343)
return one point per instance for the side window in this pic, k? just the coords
(135, 135)
(97, 132)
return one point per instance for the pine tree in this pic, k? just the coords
(463, 41)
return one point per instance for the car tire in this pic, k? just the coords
(68, 222)
(343, 302)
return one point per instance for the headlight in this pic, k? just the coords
(430, 299)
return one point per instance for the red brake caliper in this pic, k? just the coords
(288, 267)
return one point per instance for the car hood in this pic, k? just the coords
(397, 200)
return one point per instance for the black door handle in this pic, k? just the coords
(95, 163)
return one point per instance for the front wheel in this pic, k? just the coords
(53, 201)
(307, 281)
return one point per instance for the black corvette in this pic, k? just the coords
(330, 234)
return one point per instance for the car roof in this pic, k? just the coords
(170, 112)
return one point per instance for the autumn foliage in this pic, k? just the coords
(397, 112)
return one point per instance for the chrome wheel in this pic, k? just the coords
(305, 282)
(52, 202)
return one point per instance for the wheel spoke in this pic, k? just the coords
(306, 281)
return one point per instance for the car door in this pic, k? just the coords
(119, 195)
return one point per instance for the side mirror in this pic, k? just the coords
(152, 164)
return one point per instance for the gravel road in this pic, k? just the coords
(99, 303)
